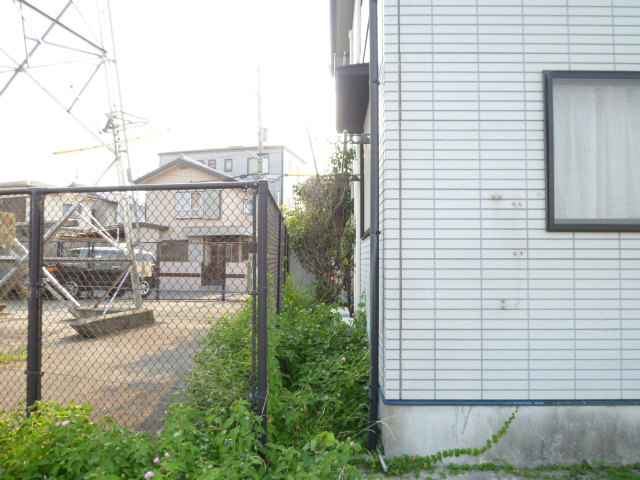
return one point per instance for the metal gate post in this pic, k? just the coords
(262, 293)
(34, 326)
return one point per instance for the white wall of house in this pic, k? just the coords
(478, 301)
(235, 162)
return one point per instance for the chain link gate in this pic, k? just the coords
(84, 329)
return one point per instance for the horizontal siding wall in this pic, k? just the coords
(479, 301)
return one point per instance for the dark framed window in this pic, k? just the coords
(15, 205)
(174, 250)
(592, 144)
(212, 163)
(228, 164)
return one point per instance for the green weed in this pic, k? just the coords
(9, 357)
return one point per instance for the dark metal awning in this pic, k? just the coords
(352, 97)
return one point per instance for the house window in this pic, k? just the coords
(212, 163)
(15, 205)
(188, 205)
(174, 251)
(228, 164)
(593, 150)
(247, 206)
(246, 250)
(253, 165)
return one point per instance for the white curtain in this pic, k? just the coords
(596, 134)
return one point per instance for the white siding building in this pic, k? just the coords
(281, 167)
(509, 260)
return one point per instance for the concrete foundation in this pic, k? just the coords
(541, 434)
(89, 312)
(93, 327)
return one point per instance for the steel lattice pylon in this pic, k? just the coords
(100, 50)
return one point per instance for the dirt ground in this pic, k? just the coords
(131, 376)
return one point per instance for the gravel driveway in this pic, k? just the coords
(131, 375)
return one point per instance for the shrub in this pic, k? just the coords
(63, 443)
(321, 232)
(319, 372)
(221, 372)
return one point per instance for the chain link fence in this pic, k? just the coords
(106, 293)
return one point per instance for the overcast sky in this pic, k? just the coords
(188, 66)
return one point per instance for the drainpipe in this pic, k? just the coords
(374, 385)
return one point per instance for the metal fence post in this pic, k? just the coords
(280, 275)
(158, 272)
(262, 293)
(34, 326)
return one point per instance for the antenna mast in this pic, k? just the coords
(116, 122)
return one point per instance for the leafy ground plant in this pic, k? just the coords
(317, 404)
(319, 372)
(63, 443)
(9, 357)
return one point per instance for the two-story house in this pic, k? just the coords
(205, 242)
(499, 148)
(280, 166)
(89, 210)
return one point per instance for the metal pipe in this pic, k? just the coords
(113, 297)
(21, 66)
(262, 294)
(34, 326)
(136, 188)
(63, 293)
(279, 273)
(63, 26)
(374, 383)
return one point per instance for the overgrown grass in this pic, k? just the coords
(319, 372)
(317, 410)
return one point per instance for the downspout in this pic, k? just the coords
(374, 384)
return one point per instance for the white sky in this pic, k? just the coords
(188, 66)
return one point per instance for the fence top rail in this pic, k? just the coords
(132, 188)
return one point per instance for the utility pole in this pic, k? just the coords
(260, 131)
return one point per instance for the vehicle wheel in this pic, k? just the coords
(72, 287)
(145, 287)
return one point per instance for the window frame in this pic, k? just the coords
(589, 225)
(247, 206)
(166, 243)
(228, 164)
(265, 161)
(190, 212)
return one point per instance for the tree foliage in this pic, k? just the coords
(321, 229)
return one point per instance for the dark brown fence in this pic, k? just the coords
(107, 292)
